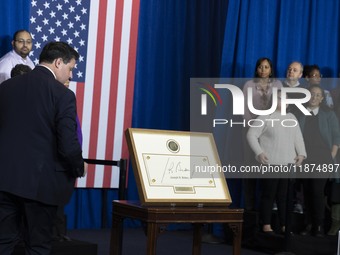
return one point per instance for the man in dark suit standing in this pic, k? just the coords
(40, 155)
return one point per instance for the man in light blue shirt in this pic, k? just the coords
(22, 46)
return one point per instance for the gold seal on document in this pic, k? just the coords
(172, 146)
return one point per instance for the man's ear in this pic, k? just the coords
(58, 62)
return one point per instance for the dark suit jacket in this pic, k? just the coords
(328, 125)
(40, 155)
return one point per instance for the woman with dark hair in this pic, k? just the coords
(261, 87)
(322, 137)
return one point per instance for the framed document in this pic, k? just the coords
(177, 168)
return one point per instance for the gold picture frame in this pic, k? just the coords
(177, 168)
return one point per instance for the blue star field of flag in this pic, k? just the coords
(61, 20)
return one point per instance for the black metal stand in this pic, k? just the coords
(122, 164)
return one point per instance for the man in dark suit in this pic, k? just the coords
(40, 155)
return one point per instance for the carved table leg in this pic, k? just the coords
(196, 246)
(152, 233)
(237, 237)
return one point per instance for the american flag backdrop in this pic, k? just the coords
(104, 32)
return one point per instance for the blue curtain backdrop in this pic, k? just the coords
(176, 40)
(202, 38)
(304, 30)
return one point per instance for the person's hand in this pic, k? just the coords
(85, 169)
(262, 158)
(298, 160)
(334, 151)
(333, 155)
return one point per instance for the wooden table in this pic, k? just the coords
(156, 216)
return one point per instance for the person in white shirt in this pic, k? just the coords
(22, 46)
(276, 145)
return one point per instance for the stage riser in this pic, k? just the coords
(254, 239)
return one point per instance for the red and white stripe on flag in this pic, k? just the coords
(104, 32)
(105, 101)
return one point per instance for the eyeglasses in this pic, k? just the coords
(22, 41)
